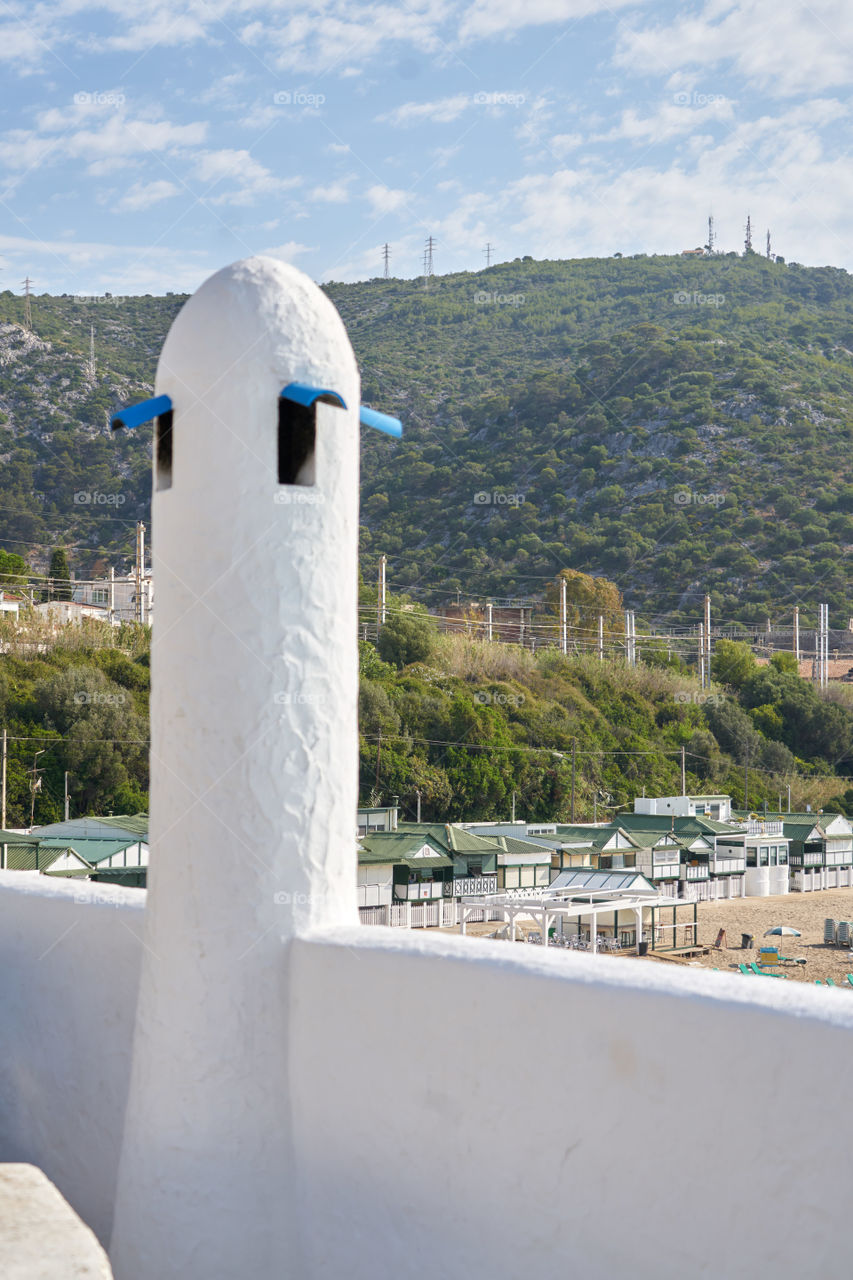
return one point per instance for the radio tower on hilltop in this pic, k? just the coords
(709, 247)
(386, 257)
(488, 252)
(747, 244)
(769, 252)
(428, 267)
(28, 312)
(90, 367)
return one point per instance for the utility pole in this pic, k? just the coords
(574, 752)
(28, 311)
(489, 622)
(36, 785)
(112, 609)
(824, 646)
(707, 679)
(66, 795)
(488, 252)
(380, 597)
(600, 638)
(789, 797)
(797, 632)
(140, 570)
(700, 655)
(3, 803)
(428, 264)
(418, 794)
(386, 258)
(564, 639)
(746, 778)
(683, 771)
(513, 806)
(630, 638)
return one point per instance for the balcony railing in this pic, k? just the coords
(699, 872)
(764, 827)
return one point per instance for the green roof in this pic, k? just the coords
(401, 846)
(92, 851)
(451, 837)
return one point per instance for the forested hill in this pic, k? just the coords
(676, 424)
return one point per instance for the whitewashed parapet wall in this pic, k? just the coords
(310, 1100)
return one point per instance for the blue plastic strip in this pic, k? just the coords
(137, 414)
(301, 393)
(380, 422)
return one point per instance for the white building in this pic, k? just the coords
(117, 596)
(718, 808)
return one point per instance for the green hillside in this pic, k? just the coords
(676, 424)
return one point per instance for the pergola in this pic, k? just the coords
(555, 906)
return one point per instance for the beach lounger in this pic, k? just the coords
(850, 979)
(762, 973)
(744, 969)
(818, 982)
(830, 983)
(792, 959)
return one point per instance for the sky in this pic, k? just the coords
(144, 145)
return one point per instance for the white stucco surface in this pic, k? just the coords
(41, 1238)
(69, 972)
(253, 771)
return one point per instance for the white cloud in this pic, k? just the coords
(672, 119)
(501, 17)
(288, 251)
(782, 48)
(142, 195)
(248, 180)
(442, 111)
(333, 192)
(386, 200)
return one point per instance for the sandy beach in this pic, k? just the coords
(803, 911)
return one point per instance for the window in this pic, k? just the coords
(296, 442)
(511, 880)
(783, 855)
(751, 855)
(763, 854)
(543, 875)
(163, 449)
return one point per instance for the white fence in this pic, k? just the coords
(822, 878)
(444, 913)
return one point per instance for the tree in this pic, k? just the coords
(406, 637)
(588, 597)
(59, 577)
(786, 663)
(732, 663)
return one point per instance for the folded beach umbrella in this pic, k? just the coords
(784, 930)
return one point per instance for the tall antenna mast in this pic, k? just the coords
(747, 244)
(428, 270)
(90, 370)
(28, 313)
(709, 247)
(769, 254)
(386, 257)
(488, 252)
